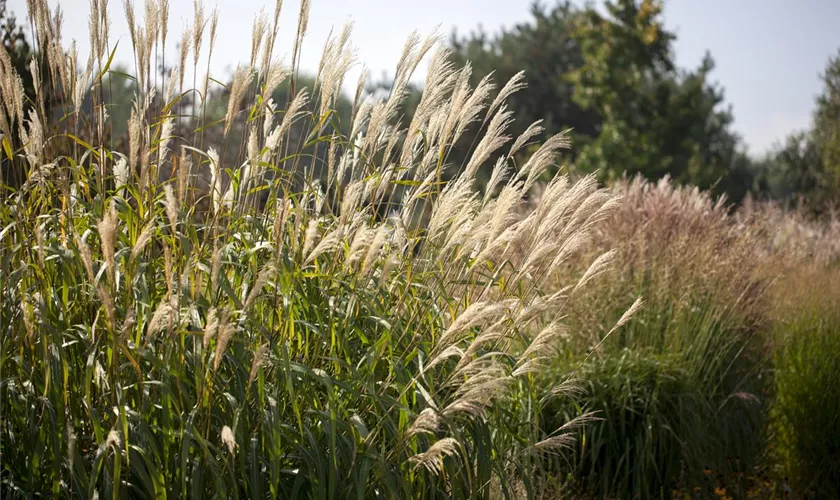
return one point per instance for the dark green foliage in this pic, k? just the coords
(827, 123)
(805, 169)
(794, 171)
(660, 427)
(806, 413)
(652, 414)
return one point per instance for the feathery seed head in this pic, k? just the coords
(228, 440)
(199, 22)
(184, 49)
(260, 282)
(431, 459)
(214, 25)
(427, 422)
(226, 332)
(113, 439)
(121, 175)
(215, 179)
(215, 268)
(164, 21)
(161, 320)
(171, 207)
(143, 239)
(259, 359)
(153, 18)
(128, 6)
(241, 79)
(184, 174)
(165, 137)
(211, 327)
(87, 260)
(257, 33)
(108, 234)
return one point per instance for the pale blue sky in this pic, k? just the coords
(769, 53)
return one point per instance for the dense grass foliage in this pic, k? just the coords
(650, 410)
(806, 412)
(372, 332)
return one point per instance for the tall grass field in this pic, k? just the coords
(266, 288)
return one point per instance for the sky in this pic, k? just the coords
(768, 53)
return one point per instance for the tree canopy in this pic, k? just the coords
(805, 168)
(610, 75)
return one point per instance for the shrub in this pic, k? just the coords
(372, 332)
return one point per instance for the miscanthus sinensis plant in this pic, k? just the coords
(373, 326)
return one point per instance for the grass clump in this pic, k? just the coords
(722, 384)
(806, 410)
(803, 253)
(805, 416)
(682, 387)
(372, 327)
(649, 409)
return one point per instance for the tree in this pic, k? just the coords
(793, 172)
(545, 49)
(657, 120)
(805, 169)
(612, 79)
(827, 125)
